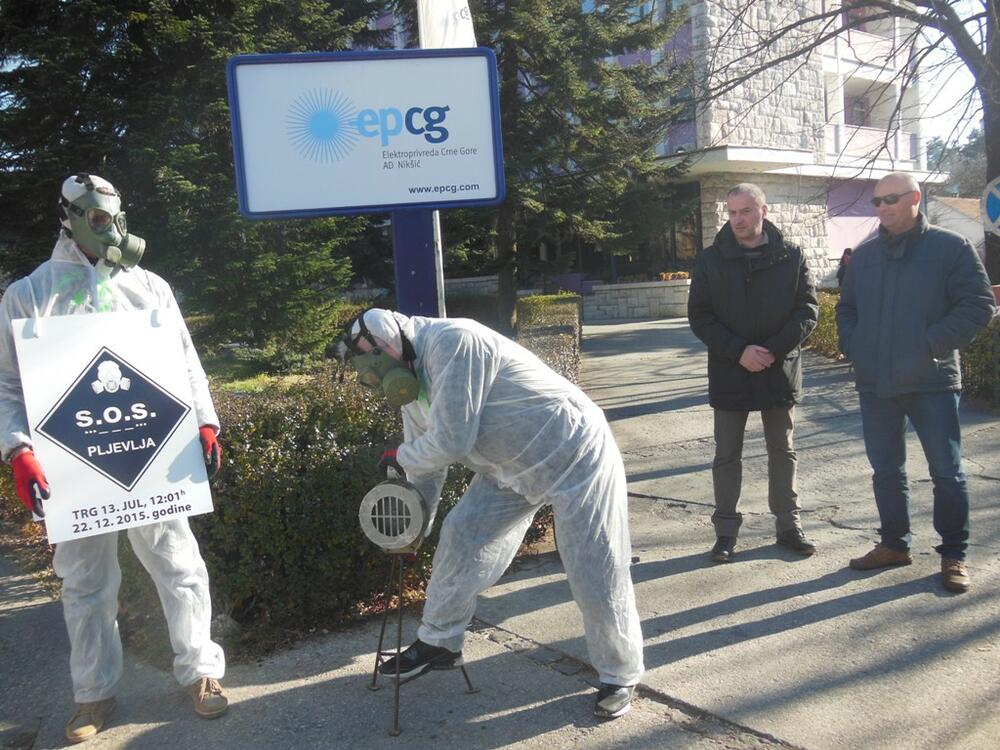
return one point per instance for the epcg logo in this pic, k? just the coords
(324, 125)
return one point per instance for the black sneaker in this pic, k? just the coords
(613, 701)
(421, 657)
(796, 541)
(723, 549)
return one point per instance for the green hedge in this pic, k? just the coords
(550, 326)
(543, 310)
(824, 337)
(981, 364)
(284, 546)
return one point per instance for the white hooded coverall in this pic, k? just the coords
(67, 284)
(532, 437)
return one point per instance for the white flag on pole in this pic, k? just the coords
(445, 24)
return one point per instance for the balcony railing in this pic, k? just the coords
(856, 141)
(873, 49)
(861, 47)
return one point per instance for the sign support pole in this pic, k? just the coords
(416, 248)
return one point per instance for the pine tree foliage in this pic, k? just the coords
(964, 164)
(579, 127)
(135, 90)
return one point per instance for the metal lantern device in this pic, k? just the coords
(395, 517)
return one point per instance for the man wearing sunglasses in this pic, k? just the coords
(93, 269)
(912, 296)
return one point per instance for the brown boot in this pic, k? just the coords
(209, 699)
(88, 719)
(881, 557)
(955, 575)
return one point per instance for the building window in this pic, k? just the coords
(857, 111)
(640, 11)
(866, 18)
(684, 101)
(857, 17)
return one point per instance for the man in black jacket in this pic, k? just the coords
(912, 296)
(753, 303)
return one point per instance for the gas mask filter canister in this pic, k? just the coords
(376, 369)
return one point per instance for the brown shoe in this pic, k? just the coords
(955, 575)
(88, 719)
(881, 557)
(209, 699)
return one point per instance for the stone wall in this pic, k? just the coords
(471, 285)
(646, 300)
(782, 107)
(796, 205)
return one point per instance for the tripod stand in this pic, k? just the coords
(396, 569)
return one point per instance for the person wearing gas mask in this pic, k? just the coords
(93, 269)
(472, 396)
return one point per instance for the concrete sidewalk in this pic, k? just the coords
(316, 695)
(769, 651)
(802, 649)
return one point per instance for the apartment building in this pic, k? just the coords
(815, 131)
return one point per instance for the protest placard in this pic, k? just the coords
(111, 416)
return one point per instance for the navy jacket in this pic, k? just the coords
(907, 305)
(735, 301)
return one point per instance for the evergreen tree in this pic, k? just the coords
(965, 165)
(579, 126)
(134, 90)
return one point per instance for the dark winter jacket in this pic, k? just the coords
(769, 301)
(907, 304)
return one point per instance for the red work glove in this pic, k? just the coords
(211, 449)
(30, 482)
(389, 464)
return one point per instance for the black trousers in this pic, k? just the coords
(727, 468)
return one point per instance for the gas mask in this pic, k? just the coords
(378, 370)
(90, 212)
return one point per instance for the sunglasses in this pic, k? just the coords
(890, 200)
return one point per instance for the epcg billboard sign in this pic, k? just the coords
(360, 132)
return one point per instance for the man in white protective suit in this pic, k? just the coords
(472, 396)
(93, 270)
